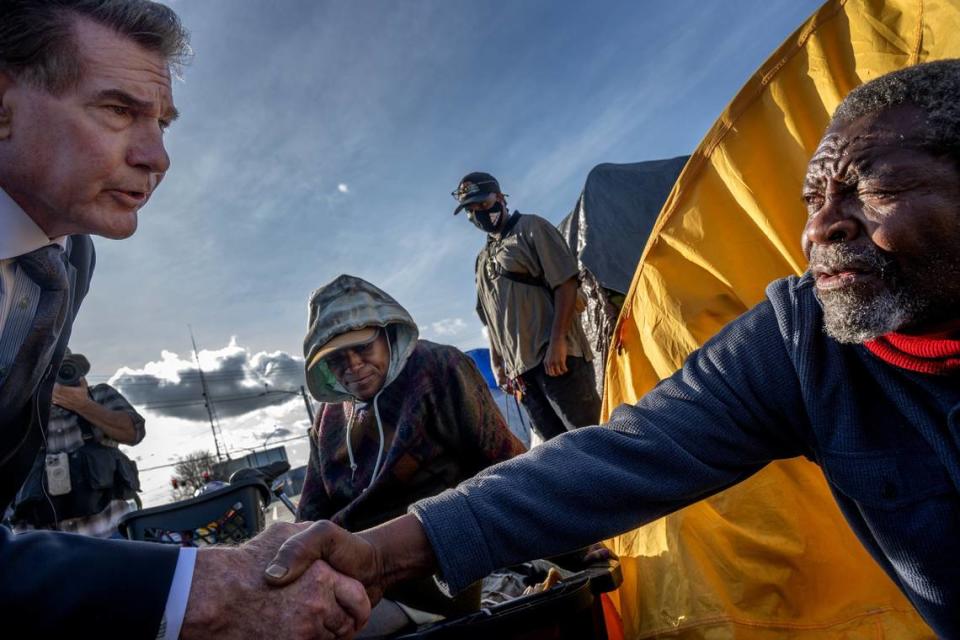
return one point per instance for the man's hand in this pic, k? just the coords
(555, 361)
(564, 301)
(392, 552)
(229, 599)
(324, 541)
(72, 398)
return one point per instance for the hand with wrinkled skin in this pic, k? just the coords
(380, 557)
(229, 599)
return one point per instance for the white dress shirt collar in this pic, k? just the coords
(19, 234)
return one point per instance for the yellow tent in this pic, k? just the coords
(771, 557)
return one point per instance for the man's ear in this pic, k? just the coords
(6, 113)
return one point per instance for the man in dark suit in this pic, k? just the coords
(85, 94)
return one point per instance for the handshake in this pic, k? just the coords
(306, 580)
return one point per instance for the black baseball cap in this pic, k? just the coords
(474, 187)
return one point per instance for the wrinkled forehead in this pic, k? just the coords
(880, 133)
(110, 60)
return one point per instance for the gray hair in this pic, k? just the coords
(37, 42)
(934, 87)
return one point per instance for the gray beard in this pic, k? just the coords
(853, 316)
(856, 314)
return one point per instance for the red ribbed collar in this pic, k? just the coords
(937, 354)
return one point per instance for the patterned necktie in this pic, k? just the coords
(46, 268)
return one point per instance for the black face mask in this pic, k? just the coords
(488, 219)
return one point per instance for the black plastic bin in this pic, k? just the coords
(571, 610)
(229, 515)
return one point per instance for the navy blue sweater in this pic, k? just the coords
(770, 385)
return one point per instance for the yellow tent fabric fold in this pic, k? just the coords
(771, 557)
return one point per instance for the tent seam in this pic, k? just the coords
(699, 156)
(915, 59)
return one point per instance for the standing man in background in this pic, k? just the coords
(527, 281)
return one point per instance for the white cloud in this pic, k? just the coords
(448, 327)
(343, 188)
(238, 381)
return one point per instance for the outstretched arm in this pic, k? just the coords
(732, 408)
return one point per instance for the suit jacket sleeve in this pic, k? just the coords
(58, 584)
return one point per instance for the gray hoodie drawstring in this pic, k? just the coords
(353, 463)
(376, 412)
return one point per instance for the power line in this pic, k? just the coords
(173, 464)
(194, 375)
(190, 370)
(169, 404)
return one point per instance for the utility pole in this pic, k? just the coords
(207, 402)
(306, 401)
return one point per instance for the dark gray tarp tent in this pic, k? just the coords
(614, 217)
(608, 229)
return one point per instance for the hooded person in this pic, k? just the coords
(402, 419)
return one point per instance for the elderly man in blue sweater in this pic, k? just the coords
(855, 365)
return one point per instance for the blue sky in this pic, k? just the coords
(320, 138)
